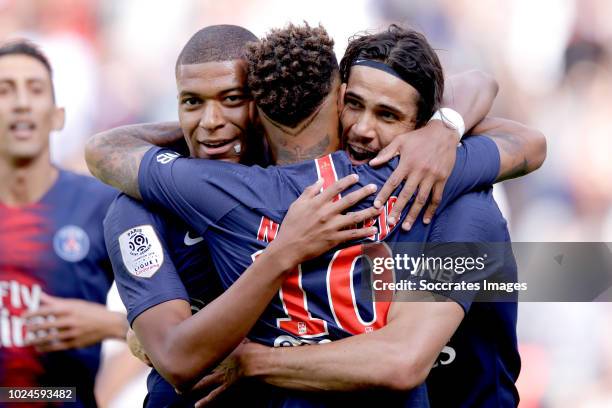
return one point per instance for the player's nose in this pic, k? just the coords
(364, 128)
(212, 117)
(22, 100)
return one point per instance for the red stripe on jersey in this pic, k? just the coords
(327, 171)
(23, 237)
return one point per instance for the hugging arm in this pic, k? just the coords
(427, 155)
(521, 149)
(182, 347)
(396, 357)
(114, 156)
(472, 94)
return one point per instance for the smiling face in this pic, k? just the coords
(27, 109)
(215, 109)
(375, 108)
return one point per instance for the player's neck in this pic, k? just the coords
(26, 181)
(314, 137)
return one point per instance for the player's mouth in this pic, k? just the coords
(22, 129)
(219, 147)
(359, 155)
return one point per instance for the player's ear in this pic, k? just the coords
(341, 97)
(58, 119)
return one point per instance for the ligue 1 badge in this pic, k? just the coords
(71, 243)
(141, 251)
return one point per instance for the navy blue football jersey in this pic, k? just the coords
(57, 246)
(238, 209)
(480, 364)
(156, 258)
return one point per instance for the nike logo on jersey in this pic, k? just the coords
(192, 241)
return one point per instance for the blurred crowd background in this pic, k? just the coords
(114, 64)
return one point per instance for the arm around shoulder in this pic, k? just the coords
(522, 149)
(114, 156)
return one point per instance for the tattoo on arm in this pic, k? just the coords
(160, 134)
(514, 161)
(114, 157)
(519, 169)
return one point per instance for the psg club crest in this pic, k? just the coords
(71, 243)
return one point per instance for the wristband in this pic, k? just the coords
(451, 118)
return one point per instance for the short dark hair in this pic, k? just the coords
(409, 54)
(216, 43)
(290, 72)
(25, 47)
(22, 46)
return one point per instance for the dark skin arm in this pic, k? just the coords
(114, 156)
(182, 347)
(396, 357)
(399, 356)
(521, 149)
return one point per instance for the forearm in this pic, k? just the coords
(114, 156)
(397, 357)
(159, 134)
(367, 361)
(313, 225)
(471, 94)
(521, 149)
(238, 308)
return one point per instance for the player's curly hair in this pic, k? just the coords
(410, 55)
(290, 72)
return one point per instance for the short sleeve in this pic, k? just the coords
(143, 269)
(476, 167)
